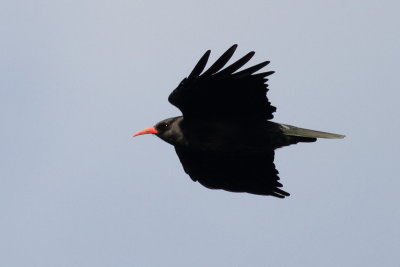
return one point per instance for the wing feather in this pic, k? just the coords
(250, 70)
(227, 94)
(237, 65)
(198, 69)
(220, 63)
(254, 173)
(262, 75)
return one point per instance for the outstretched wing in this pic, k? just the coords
(224, 94)
(254, 173)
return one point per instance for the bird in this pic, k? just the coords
(225, 138)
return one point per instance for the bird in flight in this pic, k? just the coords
(225, 138)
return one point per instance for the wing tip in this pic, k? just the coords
(221, 61)
(201, 64)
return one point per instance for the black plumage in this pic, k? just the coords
(225, 139)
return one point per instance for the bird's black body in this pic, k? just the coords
(225, 139)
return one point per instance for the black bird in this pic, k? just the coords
(225, 139)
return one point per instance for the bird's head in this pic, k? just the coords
(168, 130)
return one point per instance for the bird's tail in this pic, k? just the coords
(305, 134)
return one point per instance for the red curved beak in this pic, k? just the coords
(150, 130)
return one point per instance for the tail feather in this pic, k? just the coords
(301, 132)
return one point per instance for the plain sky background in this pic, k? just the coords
(78, 78)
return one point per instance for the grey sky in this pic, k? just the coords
(79, 77)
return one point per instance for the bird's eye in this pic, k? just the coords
(163, 125)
